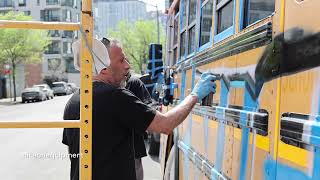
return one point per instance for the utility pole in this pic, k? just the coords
(158, 29)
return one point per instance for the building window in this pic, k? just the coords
(54, 48)
(67, 34)
(52, 2)
(54, 33)
(6, 3)
(67, 48)
(205, 22)
(38, 2)
(22, 3)
(67, 3)
(257, 10)
(70, 66)
(54, 64)
(27, 13)
(50, 15)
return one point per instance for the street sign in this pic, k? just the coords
(7, 71)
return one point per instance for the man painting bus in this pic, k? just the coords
(117, 114)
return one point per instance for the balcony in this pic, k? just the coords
(50, 15)
(53, 2)
(68, 3)
(6, 3)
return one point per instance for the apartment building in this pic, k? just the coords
(58, 59)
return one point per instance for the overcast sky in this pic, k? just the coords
(160, 4)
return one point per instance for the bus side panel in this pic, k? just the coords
(298, 155)
(208, 137)
(242, 148)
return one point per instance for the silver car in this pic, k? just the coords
(33, 95)
(46, 88)
(60, 88)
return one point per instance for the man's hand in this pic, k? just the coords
(204, 86)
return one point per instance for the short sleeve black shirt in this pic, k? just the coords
(117, 114)
(136, 86)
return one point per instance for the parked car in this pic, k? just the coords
(33, 94)
(73, 87)
(46, 88)
(61, 88)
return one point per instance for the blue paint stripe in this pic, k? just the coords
(249, 104)
(221, 128)
(206, 134)
(183, 83)
(155, 60)
(238, 84)
(193, 76)
(316, 156)
(187, 137)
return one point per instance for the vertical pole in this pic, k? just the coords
(158, 29)
(86, 92)
(10, 89)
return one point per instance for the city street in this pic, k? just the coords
(38, 154)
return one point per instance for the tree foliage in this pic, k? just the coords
(136, 38)
(21, 45)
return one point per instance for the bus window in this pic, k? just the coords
(192, 26)
(224, 25)
(183, 24)
(205, 22)
(257, 10)
(183, 45)
(191, 40)
(225, 16)
(184, 14)
(175, 38)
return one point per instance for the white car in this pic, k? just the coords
(46, 88)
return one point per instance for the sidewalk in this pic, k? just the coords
(9, 101)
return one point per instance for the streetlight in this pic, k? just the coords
(156, 6)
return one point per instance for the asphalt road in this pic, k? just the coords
(37, 154)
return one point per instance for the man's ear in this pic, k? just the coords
(104, 71)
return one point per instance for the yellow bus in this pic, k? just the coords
(264, 120)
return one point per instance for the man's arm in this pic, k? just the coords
(165, 123)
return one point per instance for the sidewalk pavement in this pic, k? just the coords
(9, 101)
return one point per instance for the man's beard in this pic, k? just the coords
(123, 84)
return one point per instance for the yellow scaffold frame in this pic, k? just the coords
(85, 123)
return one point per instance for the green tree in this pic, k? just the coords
(19, 46)
(136, 38)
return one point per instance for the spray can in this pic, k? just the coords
(207, 101)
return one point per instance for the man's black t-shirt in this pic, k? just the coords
(136, 86)
(117, 113)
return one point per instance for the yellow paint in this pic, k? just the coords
(39, 25)
(282, 15)
(40, 124)
(262, 142)
(294, 154)
(237, 16)
(277, 120)
(213, 124)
